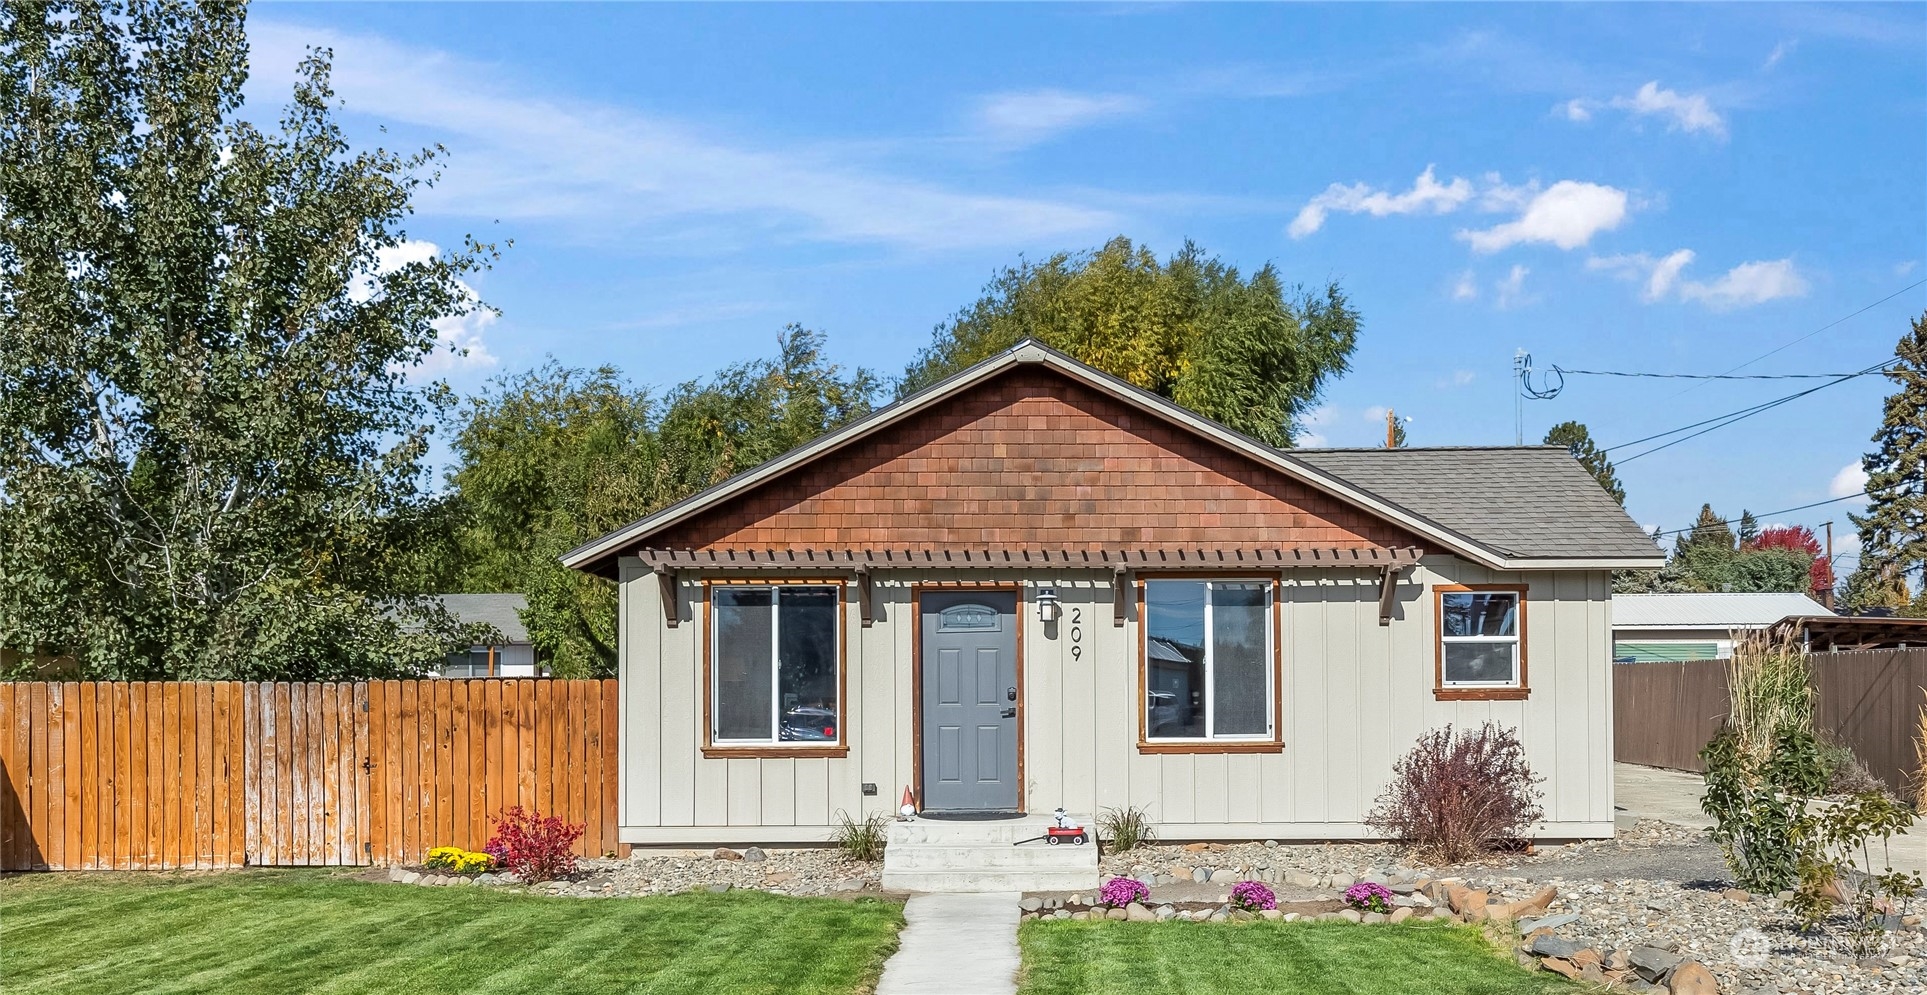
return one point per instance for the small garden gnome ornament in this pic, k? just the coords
(1062, 821)
(909, 809)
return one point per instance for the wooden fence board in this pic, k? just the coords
(1866, 700)
(152, 775)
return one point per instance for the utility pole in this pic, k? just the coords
(1521, 367)
(1391, 429)
(1826, 600)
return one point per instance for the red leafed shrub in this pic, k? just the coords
(536, 847)
(1454, 797)
(1800, 539)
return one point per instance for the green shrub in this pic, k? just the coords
(1754, 804)
(1836, 862)
(1125, 828)
(862, 839)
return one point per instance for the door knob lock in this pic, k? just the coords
(1010, 694)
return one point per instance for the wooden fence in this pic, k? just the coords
(1868, 700)
(226, 774)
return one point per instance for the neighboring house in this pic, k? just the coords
(512, 656)
(1033, 585)
(1677, 627)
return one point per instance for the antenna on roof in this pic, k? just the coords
(1521, 369)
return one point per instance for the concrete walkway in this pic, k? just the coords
(1674, 796)
(1667, 795)
(955, 945)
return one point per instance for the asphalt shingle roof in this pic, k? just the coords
(1525, 501)
(503, 611)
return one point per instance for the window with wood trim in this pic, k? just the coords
(1209, 658)
(1481, 641)
(775, 661)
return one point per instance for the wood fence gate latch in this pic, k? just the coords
(367, 766)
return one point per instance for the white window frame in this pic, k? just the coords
(1518, 626)
(1210, 686)
(775, 668)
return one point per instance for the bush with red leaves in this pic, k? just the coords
(536, 847)
(1455, 797)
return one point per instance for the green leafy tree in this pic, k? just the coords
(552, 458)
(1245, 352)
(1893, 532)
(1578, 441)
(210, 454)
(1872, 586)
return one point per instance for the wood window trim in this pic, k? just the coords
(713, 750)
(1146, 746)
(1442, 693)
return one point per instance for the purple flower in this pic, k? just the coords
(1119, 892)
(1252, 896)
(1369, 896)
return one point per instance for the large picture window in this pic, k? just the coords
(1480, 647)
(775, 651)
(1208, 660)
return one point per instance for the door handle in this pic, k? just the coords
(1010, 713)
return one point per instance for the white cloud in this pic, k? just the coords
(518, 153)
(1466, 288)
(1427, 194)
(1905, 267)
(1742, 286)
(1028, 117)
(1319, 417)
(1459, 378)
(1567, 214)
(1780, 51)
(459, 342)
(1747, 284)
(1376, 413)
(1511, 290)
(1851, 480)
(1689, 112)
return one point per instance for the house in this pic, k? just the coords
(1034, 585)
(1677, 627)
(510, 656)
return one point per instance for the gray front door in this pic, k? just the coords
(970, 701)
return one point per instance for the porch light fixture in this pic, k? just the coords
(1048, 608)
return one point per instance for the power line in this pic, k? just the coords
(1763, 514)
(1816, 331)
(1702, 376)
(1721, 421)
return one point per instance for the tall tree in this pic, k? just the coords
(549, 459)
(1799, 540)
(210, 454)
(1893, 532)
(1243, 351)
(1578, 441)
(1750, 529)
(1709, 534)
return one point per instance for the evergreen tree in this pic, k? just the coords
(1578, 441)
(1749, 529)
(1893, 532)
(1709, 535)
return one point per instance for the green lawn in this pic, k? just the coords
(311, 931)
(1119, 958)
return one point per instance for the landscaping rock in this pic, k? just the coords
(1692, 978)
(1138, 913)
(1652, 963)
(1118, 914)
(1031, 904)
(755, 855)
(1401, 914)
(718, 888)
(410, 877)
(1561, 966)
(1201, 875)
(1739, 895)
(1526, 926)
(1270, 914)
(725, 853)
(1548, 945)
(1349, 915)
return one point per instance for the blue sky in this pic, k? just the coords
(1636, 188)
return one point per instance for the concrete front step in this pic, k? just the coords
(936, 856)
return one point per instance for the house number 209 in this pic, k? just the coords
(1077, 633)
